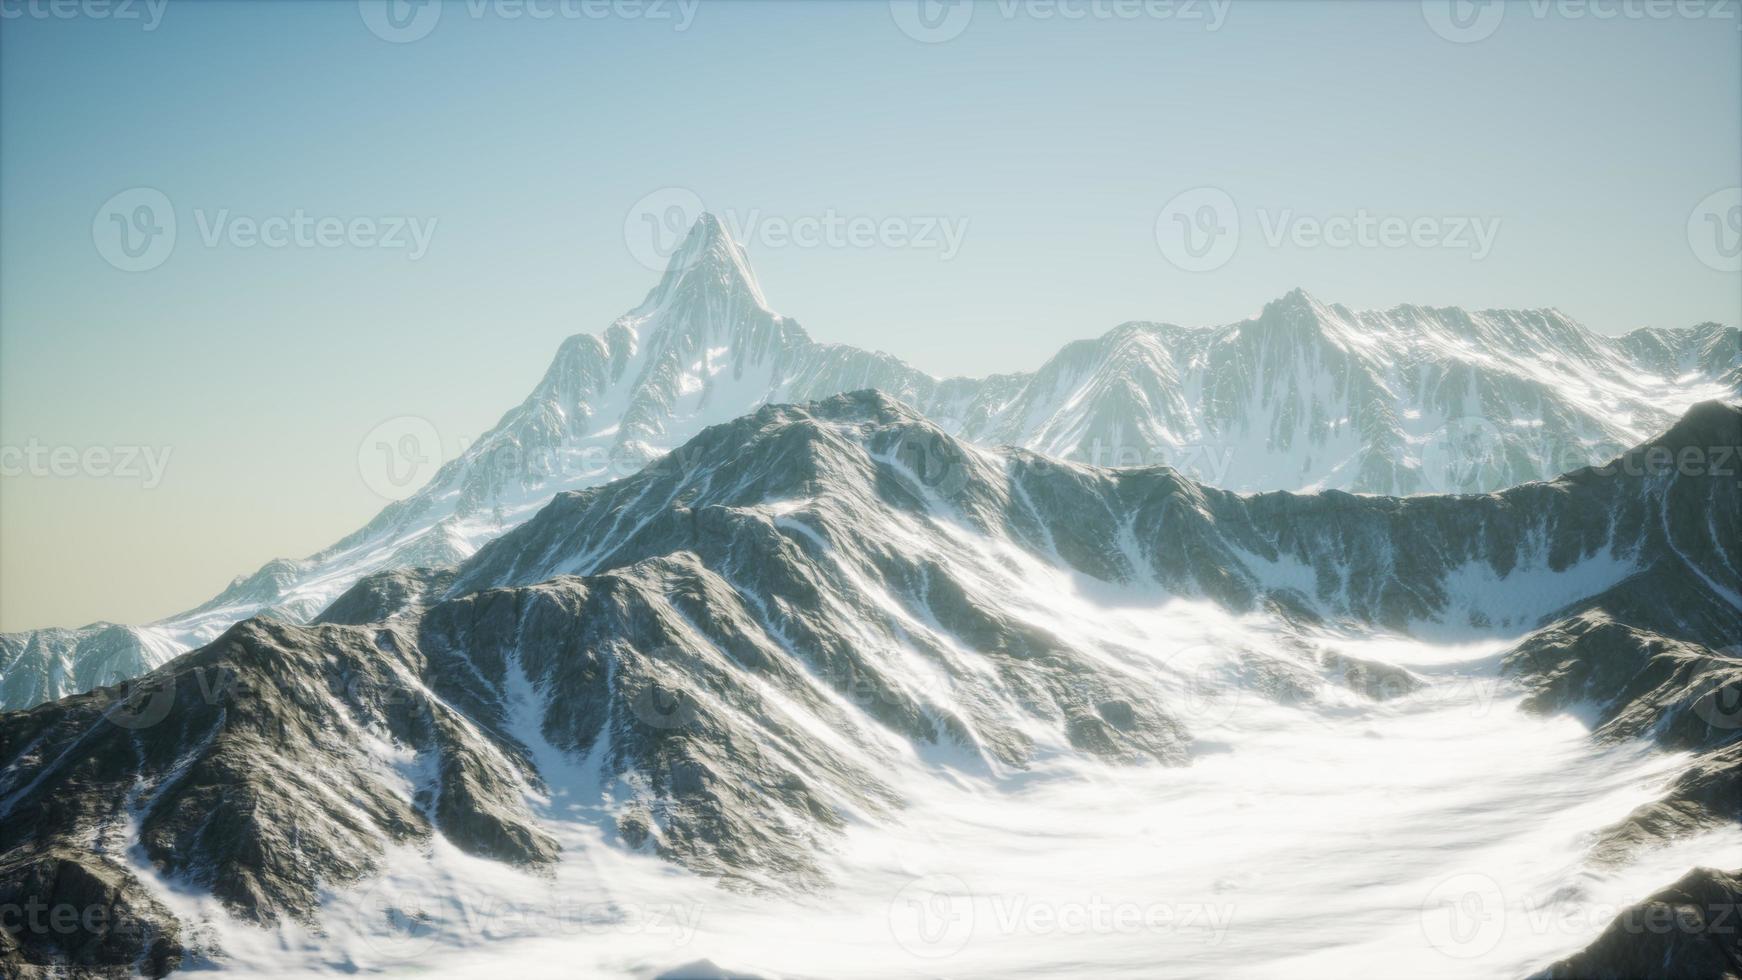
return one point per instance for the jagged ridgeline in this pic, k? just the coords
(1302, 396)
(730, 649)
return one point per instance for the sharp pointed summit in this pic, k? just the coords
(708, 258)
(1302, 396)
(1297, 307)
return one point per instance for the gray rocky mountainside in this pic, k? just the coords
(714, 642)
(1686, 930)
(1302, 396)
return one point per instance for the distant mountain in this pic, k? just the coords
(725, 660)
(1307, 396)
(1302, 396)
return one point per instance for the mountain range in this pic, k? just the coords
(1324, 642)
(1303, 396)
(779, 640)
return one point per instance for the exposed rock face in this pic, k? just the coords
(1657, 655)
(387, 594)
(1303, 396)
(249, 769)
(1687, 930)
(706, 643)
(69, 912)
(1642, 685)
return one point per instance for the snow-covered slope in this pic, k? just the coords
(1411, 400)
(837, 659)
(1301, 396)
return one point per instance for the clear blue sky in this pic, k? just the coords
(528, 142)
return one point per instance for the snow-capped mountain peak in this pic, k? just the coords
(707, 259)
(1298, 303)
(1304, 395)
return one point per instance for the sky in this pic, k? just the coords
(388, 211)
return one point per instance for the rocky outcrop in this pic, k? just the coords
(1304, 395)
(718, 649)
(1686, 930)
